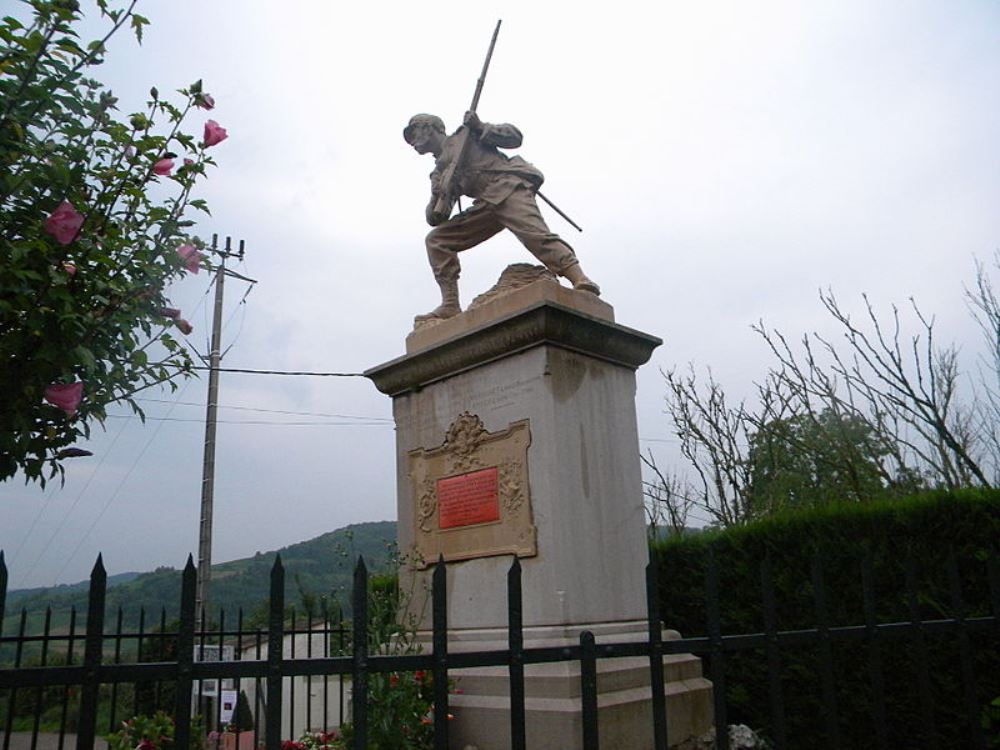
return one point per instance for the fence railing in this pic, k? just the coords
(93, 682)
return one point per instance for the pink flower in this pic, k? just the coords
(191, 257)
(205, 101)
(170, 312)
(65, 395)
(64, 223)
(184, 326)
(163, 167)
(214, 133)
(188, 162)
(69, 267)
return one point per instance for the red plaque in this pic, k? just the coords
(468, 499)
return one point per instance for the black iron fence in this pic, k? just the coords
(101, 674)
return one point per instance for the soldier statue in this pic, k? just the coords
(503, 190)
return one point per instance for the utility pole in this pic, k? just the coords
(208, 466)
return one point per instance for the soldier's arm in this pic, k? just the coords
(501, 135)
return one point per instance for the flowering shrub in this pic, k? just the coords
(92, 231)
(154, 732)
(400, 712)
(315, 741)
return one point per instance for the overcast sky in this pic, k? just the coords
(725, 159)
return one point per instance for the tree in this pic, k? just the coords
(668, 503)
(876, 413)
(92, 231)
(810, 458)
(984, 307)
(905, 387)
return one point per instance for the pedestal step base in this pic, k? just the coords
(553, 705)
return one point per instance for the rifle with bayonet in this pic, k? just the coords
(447, 187)
(448, 190)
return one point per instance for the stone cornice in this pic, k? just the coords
(543, 323)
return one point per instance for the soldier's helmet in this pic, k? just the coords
(432, 121)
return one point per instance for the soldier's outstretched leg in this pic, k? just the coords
(519, 213)
(575, 275)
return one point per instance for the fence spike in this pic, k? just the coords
(868, 593)
(716, 654)
(439, 618)
(588, 689)
(275, 654)
(515, 643)
(3, 589)
(655, 636)
(359, 667)
(775, 690)
(977, 738)
(185, 654)
(827, 683)
(93, 649)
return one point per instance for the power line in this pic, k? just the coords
(279, 372)
(72, 507)
(114, 494)
(267, 411)
(251, 421)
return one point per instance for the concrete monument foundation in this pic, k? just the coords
(516, 435)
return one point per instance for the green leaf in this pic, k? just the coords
(86, 357)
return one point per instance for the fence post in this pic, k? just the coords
(3, 589)
(439, 607)
(3, 601)
(965, 654)
(717, 665)
(92, 657)
(69, 661)
(874, 652)
(39, 691)
(185, 658)
(291, 682)
(275, 655)
(826, 656)
(920, 656)
(773, 655)
(656, 685)
(359, 670)
(588, 689)
(515, 642)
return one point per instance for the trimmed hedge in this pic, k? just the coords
(838, 537)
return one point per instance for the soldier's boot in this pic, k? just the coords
(449, 306)
(575, 275)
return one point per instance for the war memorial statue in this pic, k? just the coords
(503, 188)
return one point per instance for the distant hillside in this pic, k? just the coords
(315, 569)
(15, 597)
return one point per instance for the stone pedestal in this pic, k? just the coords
(516, 435)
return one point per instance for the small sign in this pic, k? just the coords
(468, 499)
(228, 707)
(211, 652)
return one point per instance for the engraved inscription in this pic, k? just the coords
(468, 499)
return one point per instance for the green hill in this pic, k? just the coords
(318, 572)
